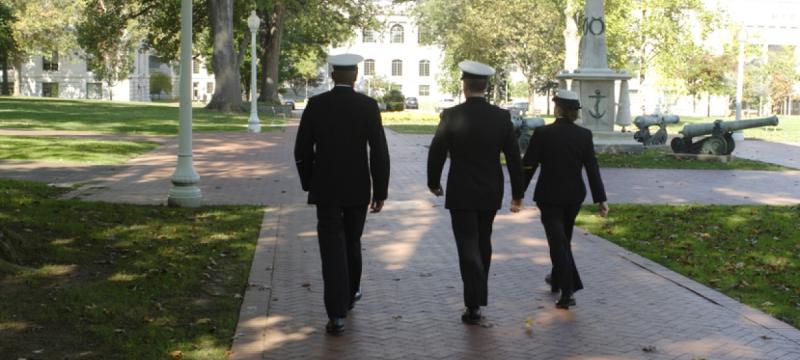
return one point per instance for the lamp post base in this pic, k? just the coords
(253, 125)
(185, 196)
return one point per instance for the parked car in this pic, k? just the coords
(289, 103)
(445, 104)
(411, 103)
(519, 106)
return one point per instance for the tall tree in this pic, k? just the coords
(43, 27)
(8, 46)
(225, 61)
(109, 38)
(314, 23)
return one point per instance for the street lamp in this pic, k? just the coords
(184, 192)
(739, 135)
(253, 124)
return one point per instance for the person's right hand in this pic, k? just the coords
(516, 205)
(603, 209)
(437, 191)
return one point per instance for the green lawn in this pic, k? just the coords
(106, 281)
(71, 149)
(113, 117)
(751, 253)
(657, 159)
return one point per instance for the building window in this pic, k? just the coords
(424, 90)
(89, 63)
(369, 67)
(397, 67)
(51, 63)
(397, 34)
(368, 36)
(196, 66)
(50, 89)
(94, 90)
(195, 90)
(424, 68)
(210, 88)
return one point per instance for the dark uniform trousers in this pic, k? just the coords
(339, 231)
(473, 233)
(558, 221)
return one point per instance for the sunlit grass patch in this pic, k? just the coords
(751, 253)
(62, 149)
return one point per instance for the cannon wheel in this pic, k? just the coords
(731, 143)
(714, 146)
(678, 146)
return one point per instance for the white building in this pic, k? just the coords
(396, 54)
(68, 76)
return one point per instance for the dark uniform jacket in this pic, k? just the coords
(563, 149)
(331, 149)
(474, 133)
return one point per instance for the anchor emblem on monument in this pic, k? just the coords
(596, 114)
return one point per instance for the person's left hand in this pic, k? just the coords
(376, 206)
(516, 205)
(438, 191)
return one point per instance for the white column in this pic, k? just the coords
(184, 192)
(253, 124)
(624, 107)
(739, 135)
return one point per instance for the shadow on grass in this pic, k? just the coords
(746, 252)
(113, 117)
(120, 281)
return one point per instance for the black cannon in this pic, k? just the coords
(660, 136)
(523, 128)
(720, 141)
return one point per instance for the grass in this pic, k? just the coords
(107, 281)
(71, 149)
(751, 253)
(657, 159)
(113, 117)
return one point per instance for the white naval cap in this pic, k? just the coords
(344, 61)
(475, 70)
(567, 99)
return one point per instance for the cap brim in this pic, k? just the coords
(466, 75)
(567, 104)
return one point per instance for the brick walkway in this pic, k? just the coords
(631, 308)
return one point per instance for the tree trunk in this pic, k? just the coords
(4, 90)
(18, 77)
(708, 104)
(225, 62)
(271, 37)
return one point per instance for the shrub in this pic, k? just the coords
(395, 100)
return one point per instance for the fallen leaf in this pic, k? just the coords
(529, 322)
(306, 285)
(397, 317)
(767, 303)
(649, 348)
(176, 355)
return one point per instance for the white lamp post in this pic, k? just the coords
(184, 192)
(739, 135)
(253, 125)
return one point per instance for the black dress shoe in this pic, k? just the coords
(356, 297)
(471, 316)
(335, 325)
(549, 280)
(565, 302)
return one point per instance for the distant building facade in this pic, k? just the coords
(395, 53)
(69, 76)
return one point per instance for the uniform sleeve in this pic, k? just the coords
(513, 161)
(532, 159)
(593, 173)
(378, 158)
(437, 153)
(304, 146)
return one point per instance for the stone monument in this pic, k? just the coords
(594, 81)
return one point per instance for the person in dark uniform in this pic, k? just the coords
(336, 129)
(474, 134)
(563, 149)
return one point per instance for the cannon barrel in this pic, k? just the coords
(531, 123)
(644, 121)
(692, 130)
